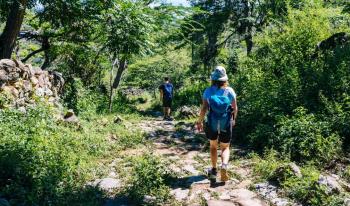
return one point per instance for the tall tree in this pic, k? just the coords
(66, 19)
(14, 21)
(127, 31)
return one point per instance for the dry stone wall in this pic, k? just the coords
(21, 84)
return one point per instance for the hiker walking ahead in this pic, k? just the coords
(166, 95)
(220, 101)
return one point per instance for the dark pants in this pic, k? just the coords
(223, 137)
(167, 102)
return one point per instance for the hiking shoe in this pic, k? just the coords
(223, 173)
(212, 174)
(169, 119)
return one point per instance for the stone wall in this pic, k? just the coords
(21, 84)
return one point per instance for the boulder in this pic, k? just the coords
(149, 199)
(106, 184)
(180, 194)
(330, 182)
(118, 119)
(285, 171)
(70, 117)
(295, 169)
(188, 112)
(3, 75)
(6, 63)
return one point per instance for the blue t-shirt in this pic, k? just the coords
(214, 90)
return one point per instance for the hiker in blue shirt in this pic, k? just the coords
(166, 96)
(219, 100)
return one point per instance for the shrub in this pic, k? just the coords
(304, 138)
(34, 164)
(265, 167)
(149, 177)
(308, 191)
(45, 162)
(191, 94)
(83, 101)
(346, 173)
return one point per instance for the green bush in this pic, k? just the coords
(191, 93)
(83, 101)
(304, 189)
(304, 138)
(35, 164)
(149, 177)
(265, 167)
(43, 161)
(346, 173)
(308, 191)
(281, 76)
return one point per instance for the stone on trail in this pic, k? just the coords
(242, 194)
(220, 203)
(347, 202)
(180, 194)
(250, 202)
(107, 184)
(189, 168)
(225, 196)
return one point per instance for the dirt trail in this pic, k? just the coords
(178, 143)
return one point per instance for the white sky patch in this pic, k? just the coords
(179, 2)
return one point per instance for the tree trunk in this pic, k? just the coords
(45, 45)
(12, 28)
(122, 66)
(47, 60)
(249, 43)
(111, 84)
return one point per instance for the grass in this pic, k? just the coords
(43, 159)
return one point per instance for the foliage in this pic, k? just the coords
(38, 159)
(45, 161)
(308, 191)
(304, 189)
(267, 166)
(149, 177)
(346, 173)
(303, 138)
(282, 76)
(149, 72)
(191, 95)
(84, 101)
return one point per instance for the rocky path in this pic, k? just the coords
(189, 159)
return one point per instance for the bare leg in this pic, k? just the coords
(225, 156)
(165, 111)
(225, 152)
(213, 152)
(168, 111)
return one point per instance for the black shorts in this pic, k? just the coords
(167, 102)
(223, 137)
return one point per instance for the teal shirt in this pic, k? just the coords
(214, 90)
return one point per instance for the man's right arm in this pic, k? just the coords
(161, 93)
